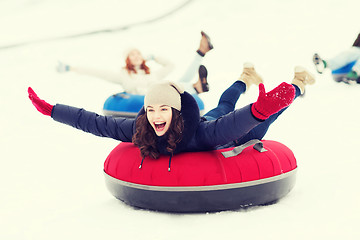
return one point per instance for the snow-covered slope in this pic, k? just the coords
(51, 178)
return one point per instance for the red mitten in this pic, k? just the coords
(273, 101)
(42, 106)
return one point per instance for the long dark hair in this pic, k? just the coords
(145, 136)
(131, 68)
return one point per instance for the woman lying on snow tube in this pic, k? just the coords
(128, 105)
(170, 124)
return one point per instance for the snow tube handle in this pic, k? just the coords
(258, 145)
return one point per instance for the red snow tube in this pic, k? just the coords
(256, 173)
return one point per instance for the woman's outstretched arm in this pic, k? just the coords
(103, 126)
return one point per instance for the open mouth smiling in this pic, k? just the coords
(159, 126)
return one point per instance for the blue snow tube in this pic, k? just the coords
(200, 103)
(339, 74)
(128, 105)
(345, 69)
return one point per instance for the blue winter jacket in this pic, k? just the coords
(199, 134)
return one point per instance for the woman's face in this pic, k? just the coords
(159, 117)
(135, 57)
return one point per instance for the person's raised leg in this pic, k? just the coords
(204, 47)
(231, 95)
(302, 77)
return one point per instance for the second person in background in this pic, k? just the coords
(136, 77)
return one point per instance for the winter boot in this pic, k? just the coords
(302, 77)
(320, 64)
(249, 76)
(202, 85)
(205, 44)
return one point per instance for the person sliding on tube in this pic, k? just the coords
(136, 77)
(170, 123)
(348, 56)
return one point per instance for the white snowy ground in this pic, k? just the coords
(51, 177)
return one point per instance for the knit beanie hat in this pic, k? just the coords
(164, 94)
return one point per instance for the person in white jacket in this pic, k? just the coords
(136, 77)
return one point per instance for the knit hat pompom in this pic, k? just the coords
(164, 94)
